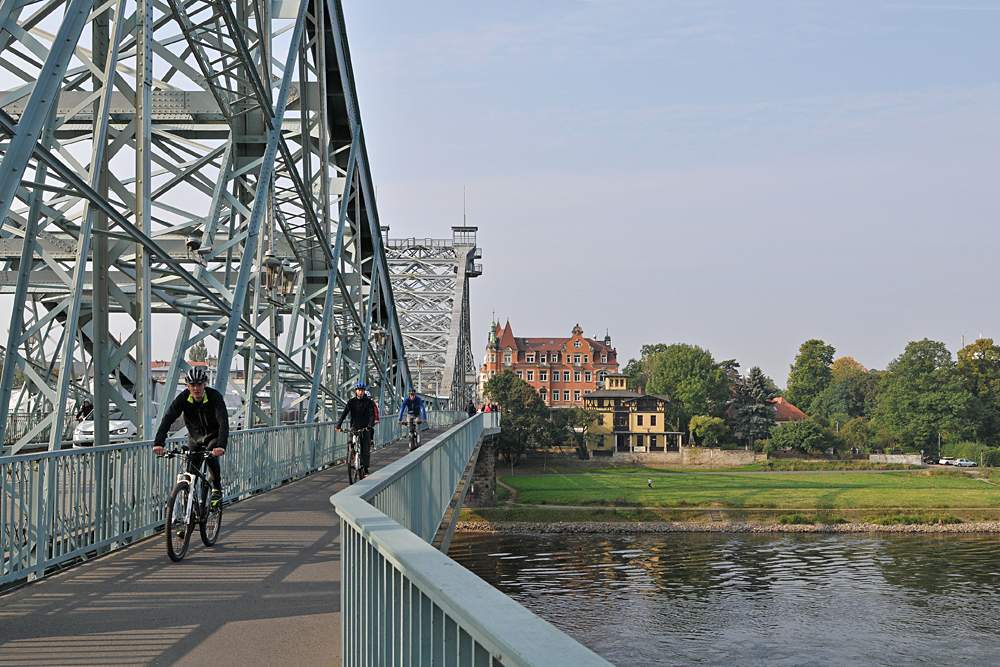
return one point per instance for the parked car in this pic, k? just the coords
(966, 463)
(946, 460)
(119, 429)
(930, 459)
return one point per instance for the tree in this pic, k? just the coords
(804, 436)
(639, 370)
(858, 434)
(198, 352)
(978, 368)
(851, 393)
(810, 374)
(695, 384)
(922, 395)
(754, 412)
(525, 417)
(709, 429)
(575, 423)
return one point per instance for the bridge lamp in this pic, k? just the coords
(270, 275)
(288, 276)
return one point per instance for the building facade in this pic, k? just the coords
(561, 370)
(629, 421)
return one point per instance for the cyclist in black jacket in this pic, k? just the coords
(207, 422)
(362, 411)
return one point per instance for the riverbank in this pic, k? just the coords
(632, 527)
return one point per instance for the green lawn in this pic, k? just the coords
(918, 490)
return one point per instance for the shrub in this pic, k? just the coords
(913, 519)
(795, 519)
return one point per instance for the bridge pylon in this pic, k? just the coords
(430, 279)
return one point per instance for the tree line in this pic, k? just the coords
(925, 398)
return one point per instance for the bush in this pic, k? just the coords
(912, 519)
(971, 451)
(795, 519)
(804, 436)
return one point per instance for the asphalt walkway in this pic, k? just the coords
(268, 593)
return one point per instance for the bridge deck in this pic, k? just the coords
(267, 593)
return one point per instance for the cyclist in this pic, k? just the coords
(207, 422)
(413, 408)
(362, 411)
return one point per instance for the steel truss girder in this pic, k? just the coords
(430, 279)
(244, 151)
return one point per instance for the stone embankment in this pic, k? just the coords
(626, 528)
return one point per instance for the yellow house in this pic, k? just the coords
(630, 421)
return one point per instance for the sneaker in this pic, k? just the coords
(216, 497)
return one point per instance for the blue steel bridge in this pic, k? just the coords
(198, 168)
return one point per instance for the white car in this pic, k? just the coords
(119, 429)
(946, 461)
(965, 463)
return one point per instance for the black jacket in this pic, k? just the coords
(362, 411)
(205, 421)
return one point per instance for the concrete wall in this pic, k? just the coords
(483, 489)
(694, 457)
(912, 459)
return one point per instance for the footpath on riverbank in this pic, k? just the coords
(640, 527)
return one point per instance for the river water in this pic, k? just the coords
(724, 599)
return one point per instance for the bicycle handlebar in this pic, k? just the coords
(171, 453)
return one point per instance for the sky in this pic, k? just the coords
(739, 176)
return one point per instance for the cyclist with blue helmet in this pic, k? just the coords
(362, 412)
(414, 411)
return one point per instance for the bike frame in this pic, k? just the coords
(190, 478)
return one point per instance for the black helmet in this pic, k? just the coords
(196, 375)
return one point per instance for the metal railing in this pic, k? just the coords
(403, 602)
(57, 507)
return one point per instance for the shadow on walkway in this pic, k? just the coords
(267, 593)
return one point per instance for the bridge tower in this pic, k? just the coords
(191, 167)
(430, 282)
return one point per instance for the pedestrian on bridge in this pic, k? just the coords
(470, 409)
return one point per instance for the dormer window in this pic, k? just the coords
(506, 357)
(531, 357)
(542, 358)
(604, 358)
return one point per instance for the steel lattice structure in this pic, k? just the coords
(159, 158)
(430, 280)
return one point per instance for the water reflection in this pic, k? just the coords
(755, 599)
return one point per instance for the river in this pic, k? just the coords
(725, 599)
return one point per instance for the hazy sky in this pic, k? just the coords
(740, 176)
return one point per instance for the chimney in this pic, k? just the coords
(639, 389)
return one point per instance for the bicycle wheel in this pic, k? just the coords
(413, 440)
(178, 533)
(211, 522)
(351, 470)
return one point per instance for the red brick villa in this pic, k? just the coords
(561, 370)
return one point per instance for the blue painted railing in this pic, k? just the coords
(403, 602)
(57, 507)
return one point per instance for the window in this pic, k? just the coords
(543, 376)
(638, 441)
(638, 420)
(566, 395)
(652, 420)
(542, 393)
(555, 395)
(576, 343)
(506, 357)
(604, 358)
(566, 378)
(531, 376)
(576, 376)
(576, 396)
(576, 358)
(541, 358)
(587, 376)
(530, 358)
(493, 358)
(519, 375)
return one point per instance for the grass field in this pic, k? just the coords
(917, 491)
